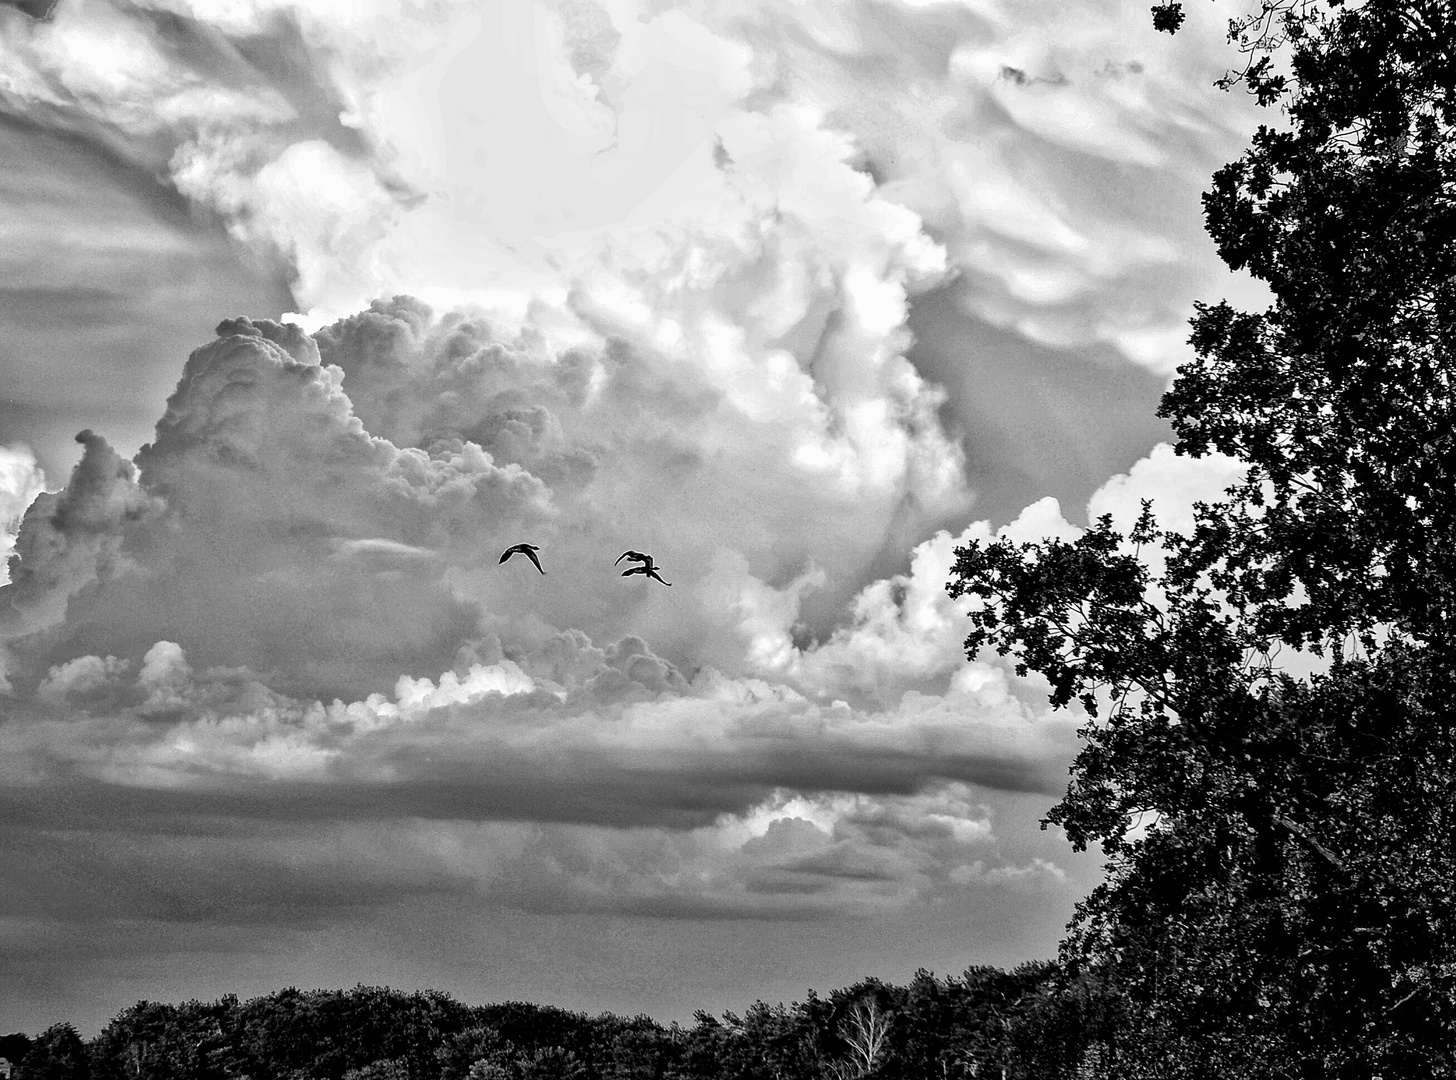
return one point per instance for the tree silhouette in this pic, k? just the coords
(56, 1054)
(1288, 906)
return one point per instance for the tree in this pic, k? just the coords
(479, 1045)
(56, 1054)
(384, 1069)
(1289, 908)
(551, 1063)
(14, 1047)
(865, 1031)
(635, 1049)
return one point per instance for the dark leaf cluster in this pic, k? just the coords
(1279, 897)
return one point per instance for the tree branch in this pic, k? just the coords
(1324, 852)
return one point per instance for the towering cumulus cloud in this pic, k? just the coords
(239, 529)
(793, 297)
(292, 598)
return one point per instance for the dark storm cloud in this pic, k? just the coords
(75, 858)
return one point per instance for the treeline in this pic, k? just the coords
(1031, 1022)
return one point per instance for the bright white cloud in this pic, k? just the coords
(647, 136)
(667, 258)
(1173, 483)
(833, 777)
(21, 480)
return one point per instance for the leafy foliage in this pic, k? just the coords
(952, 1028)
(1279, 898)
(14, 1047)
(1168, 17)
(56, 1054)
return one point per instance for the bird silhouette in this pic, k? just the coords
(635, 556)
(650, 571)
(528, 550)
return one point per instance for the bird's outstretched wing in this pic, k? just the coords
(635, 556)
(650, 571)
(528, 550)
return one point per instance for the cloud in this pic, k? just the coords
(223, 534)
(269, 671)
(354, 141)
(622, 788)
(694, 452)
(70, 542)
(21, 480)
(292, 600)
(71, 684)
(1173, 483)
(860, 775)
(770, 194)
(1047, 158)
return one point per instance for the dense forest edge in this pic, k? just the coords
(1030, 1022)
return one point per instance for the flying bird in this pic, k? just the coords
(528, 550)
(635, 556)
(650, 571)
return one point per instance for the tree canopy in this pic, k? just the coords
(1279, 898)
(1028, 1024)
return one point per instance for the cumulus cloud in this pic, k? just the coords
(312, 505)
(223, 530)
(662, 302)
(1049, 157)
(695, 448)
(622, 786)
(742, 772)
(21, 480)
(360, 142)
(268, 526)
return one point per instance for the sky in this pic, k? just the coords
(311, 308)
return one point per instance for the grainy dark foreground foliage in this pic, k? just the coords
(1287, 907)
(1031, 1022)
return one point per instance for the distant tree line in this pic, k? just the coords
(1030, 1023)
